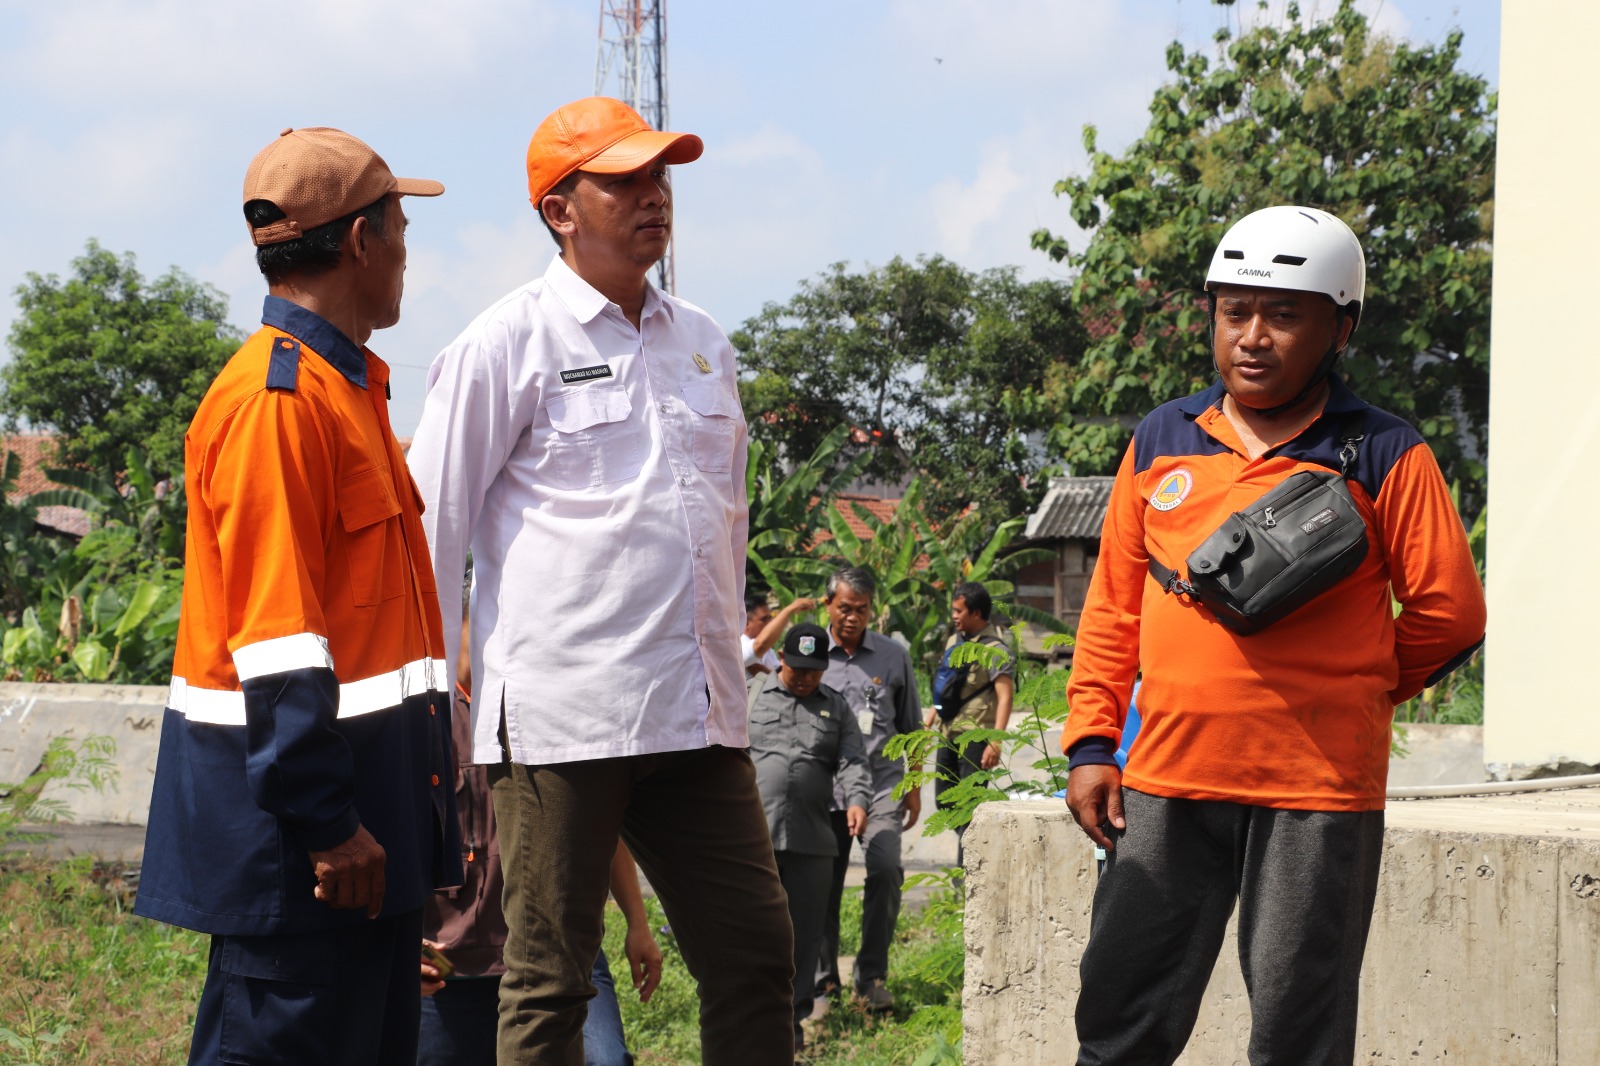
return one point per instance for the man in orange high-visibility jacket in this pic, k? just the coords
(303, 807)
(1260, 769)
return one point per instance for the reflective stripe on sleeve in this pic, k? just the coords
(380, 692)
(302, 651)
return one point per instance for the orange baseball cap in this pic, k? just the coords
(600, 135)
(316, 175)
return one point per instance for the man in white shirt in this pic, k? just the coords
(583, 437)
(762, 629)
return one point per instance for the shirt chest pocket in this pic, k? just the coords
(821, 738)
(591, 440)
(714, 422)
(374, 543)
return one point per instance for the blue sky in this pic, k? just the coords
(835, 130)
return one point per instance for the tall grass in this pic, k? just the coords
(87, 982)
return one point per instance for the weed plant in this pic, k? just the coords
(925, 967)
(87, 981)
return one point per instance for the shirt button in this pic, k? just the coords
(663, 407)
(684, 482)
(699, 553)
(436, 779)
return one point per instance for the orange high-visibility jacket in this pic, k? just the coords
(308, 692)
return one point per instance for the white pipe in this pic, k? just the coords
(1492, 788)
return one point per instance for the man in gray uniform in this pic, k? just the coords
(801, 734)
(873, 673)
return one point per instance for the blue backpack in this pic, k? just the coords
(948, 681)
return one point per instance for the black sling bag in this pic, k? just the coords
(1283, 551)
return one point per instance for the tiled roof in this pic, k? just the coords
(1072, 507)
(882, 510)
(36, 450)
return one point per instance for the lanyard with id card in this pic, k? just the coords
(864, 717)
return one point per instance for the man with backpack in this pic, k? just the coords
(970, 696)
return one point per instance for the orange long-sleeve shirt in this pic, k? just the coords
(1296, 715)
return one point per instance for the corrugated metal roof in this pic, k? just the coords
(1072, 507)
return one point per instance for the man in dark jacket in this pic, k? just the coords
(802, 734)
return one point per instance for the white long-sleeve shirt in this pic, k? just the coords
(598, 474)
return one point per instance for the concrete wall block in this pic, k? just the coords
(1485, 948)
(1030, 884)
(1578, 953)
(30, 715)
(1460, 965)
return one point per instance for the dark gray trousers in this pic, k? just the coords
(1305, 882)
(805, 881)
(880, 896)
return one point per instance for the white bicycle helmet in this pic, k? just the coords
(1298, 248)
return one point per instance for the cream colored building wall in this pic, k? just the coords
(1544, 395)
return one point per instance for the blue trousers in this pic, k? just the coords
(459, 1022)
(340, 997)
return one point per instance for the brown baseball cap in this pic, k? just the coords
(602, 136)
(316, 175)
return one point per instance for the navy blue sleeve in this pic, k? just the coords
(1092, 751)
(300, 768)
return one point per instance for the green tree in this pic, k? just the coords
(943, 369)
(109, 360)
(1392, 137)
(788, 508)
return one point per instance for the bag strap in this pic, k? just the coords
(1352, 431)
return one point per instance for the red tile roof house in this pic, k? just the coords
(37, 451)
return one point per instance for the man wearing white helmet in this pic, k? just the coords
(1260, 771)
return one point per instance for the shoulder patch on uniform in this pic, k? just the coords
(284, 370)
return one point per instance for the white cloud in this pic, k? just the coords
(960, 210)
(195, 55)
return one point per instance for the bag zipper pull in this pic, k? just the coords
(1270, 520)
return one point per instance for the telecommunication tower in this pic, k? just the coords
(631, 65)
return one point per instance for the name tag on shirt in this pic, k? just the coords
(864, 719)
(586, 373)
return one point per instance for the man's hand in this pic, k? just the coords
(910, 809)
(991, 756)
(644, 960)
(432, 979)
(350, 875)
(856, 818)
(1094, 794)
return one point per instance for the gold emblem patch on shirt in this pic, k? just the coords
(701, 362)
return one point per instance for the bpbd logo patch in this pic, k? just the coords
(1172, 490)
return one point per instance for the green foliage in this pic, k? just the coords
(942, 368)
(109, 360)
(116, 593)
(87, 981)
(787, 509)
(1391, 137)
(916, 565)
(1039, 706)
(926, 1019)
(28, 554)
(78, 765)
